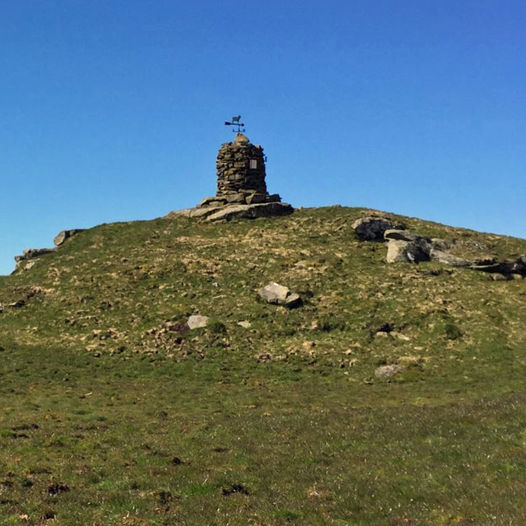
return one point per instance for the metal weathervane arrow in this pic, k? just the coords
(236, 123)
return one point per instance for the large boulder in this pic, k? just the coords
(372, 228)
(446, 258)
(408, 251)
(64, 235)
(277, 294)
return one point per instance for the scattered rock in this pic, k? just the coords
(280, 295)
(164, 497)
(64, 235)
(17, 304)
(386, 371)
(372, 228)
(385, 327)
(235, 488)
(245, 324)
(197, 321)
(57, 487)
(263, 357)
(409, 361)
(400, 336)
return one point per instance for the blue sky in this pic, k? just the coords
(113, 110)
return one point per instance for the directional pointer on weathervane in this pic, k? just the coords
(236, 121)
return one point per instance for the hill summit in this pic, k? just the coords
(126, 287)
(331, 366)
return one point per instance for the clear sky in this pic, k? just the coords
(113, 110)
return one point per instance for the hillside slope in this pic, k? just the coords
(284, 418)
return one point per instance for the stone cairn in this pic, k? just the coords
(241, 187)
(241, 172)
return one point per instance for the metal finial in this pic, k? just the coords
(236, 123)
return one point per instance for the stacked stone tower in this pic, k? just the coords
(241, 187)
(241, 168)
(241, 173)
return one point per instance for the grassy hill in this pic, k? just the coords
(114, 413)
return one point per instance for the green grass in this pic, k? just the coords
(110, 416)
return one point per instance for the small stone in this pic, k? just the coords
(386, 371)
(245, 324)
(197, 321)
(17, 304)
(410, 360)
(400, 336)
(498, 277)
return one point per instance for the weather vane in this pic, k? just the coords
(236, 121)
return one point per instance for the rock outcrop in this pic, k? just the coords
(25, 260)
(506, 268)
(406, 246)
